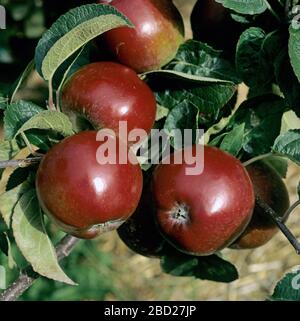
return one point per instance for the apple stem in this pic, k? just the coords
(15, 163)
(51, 104)
(279, 222)
(27, 143)
(290, 210)
(28, 276)
(257, 158)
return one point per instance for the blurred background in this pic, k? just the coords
(105, 269)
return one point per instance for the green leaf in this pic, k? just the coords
(10, 255)
(288, 288)
(3, 102)
(217, 140)
(250, 7)
(294, 49)
(233, 141)
(3, 243)
(8, 171)
(72, 31)
(262, 118)
(16, 115)
(49, 120)
(42, 139)
(287, 80)
(30, 235)
(183, 116)
(252, 65)
(216, 269)
(218, 127)
(280, 164)
(173, 74)
(179, 265)
(209, 99)
(71, 65)
(8, 149)
(260, 90)
(4, 246)
(288, 145)
(199, 59)
(240, 18)
(18, 176)
(8, 201)
(273, 43)
(212, 267)
(161, 112)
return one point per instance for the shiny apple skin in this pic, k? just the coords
(81, 195)
(218, 203)
(269, 186)
(158, 33)
(106, 93)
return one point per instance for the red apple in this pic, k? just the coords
(271, 189)
(154, 41)
(106, 93)
(83, 197)
(202, 214)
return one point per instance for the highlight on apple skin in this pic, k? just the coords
(158, 33)
(85, 198)
(106, 93)
(202, 214)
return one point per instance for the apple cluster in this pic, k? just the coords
(198, 214)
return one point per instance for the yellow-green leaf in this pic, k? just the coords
(32, 239)
(49, 120)
(8, 201)
(72, 31)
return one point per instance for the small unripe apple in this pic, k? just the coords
(158, 33)
(140, 232)
(202, 214)
(106, 93)
(269, 186)
(86, 198)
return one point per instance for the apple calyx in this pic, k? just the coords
(180, 213)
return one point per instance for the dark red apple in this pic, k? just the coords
(154, 41)
(106, 93)
(202, 214)
(83, 197)
(272, 190)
